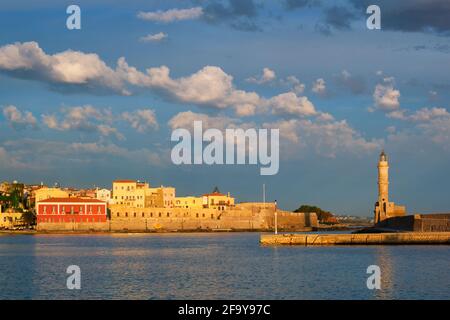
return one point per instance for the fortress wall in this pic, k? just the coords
(73, 226)
(241, 217)
(418, 223)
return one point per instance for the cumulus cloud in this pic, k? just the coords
(141, 120)
(154, 37)
(171, 15)
(267, 76)
(83, 118)
(186, 120)
(18, 119)
(291, 104)
(386, 97)
(328, 139)
(208, 87)
(319, 87)
(63, 71)
(294, 83)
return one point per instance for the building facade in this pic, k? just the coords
(45, 193)
(217, 200)
(76, 210)
(103, 195)
(137, 194)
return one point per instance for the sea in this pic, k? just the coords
(214, 266)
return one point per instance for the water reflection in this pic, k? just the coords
(213, 266)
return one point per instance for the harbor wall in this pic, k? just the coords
(439, 222)
(247, 216)
(357, 239)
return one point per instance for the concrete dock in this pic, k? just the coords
(401, 238)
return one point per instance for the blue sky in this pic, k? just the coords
(338, 92)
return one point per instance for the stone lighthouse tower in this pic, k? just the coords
(383, 208)
(383, 185)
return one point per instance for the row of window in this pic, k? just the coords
(72, 210)
(160, 215)
(87, 219)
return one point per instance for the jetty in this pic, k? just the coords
(397, 238)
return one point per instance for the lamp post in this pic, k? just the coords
(276, 216)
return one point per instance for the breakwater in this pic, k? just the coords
(403, 238)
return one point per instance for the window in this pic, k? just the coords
(118, 214)
(126, 214)
(45, 209)
(135, 214)
(160, 214)
(143, 215)
(197, 215)
(71, 209)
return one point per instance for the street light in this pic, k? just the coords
(276, 216)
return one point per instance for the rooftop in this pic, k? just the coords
(71, 200)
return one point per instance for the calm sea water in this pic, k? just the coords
(214, 266)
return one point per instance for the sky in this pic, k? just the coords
(84, 107)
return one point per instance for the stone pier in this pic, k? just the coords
(404, 238)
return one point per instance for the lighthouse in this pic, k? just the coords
(383, 208)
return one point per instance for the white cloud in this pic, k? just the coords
(291, 104)
(296, 86)
(18, 119)
(83, 118)
(385, 96)
(186, 120)
(154, 37)
(327, 139)
(319, 87)
(268, 75)
(72, 69)
(172, 15)
(208, 87)
(141, 120)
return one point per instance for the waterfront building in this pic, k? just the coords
(65, 210)
(137, 194)
(9, 220)
(44, 193)
(188, 202)
(103, 195)
(217, 200)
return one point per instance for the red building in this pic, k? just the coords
(71, 210)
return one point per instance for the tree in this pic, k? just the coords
(28, 218)
(322, 215)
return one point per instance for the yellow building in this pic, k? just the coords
(9, 220)
(136, 194)
(217, 200)
(47, 193)
(188, 202)
(129, 193)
